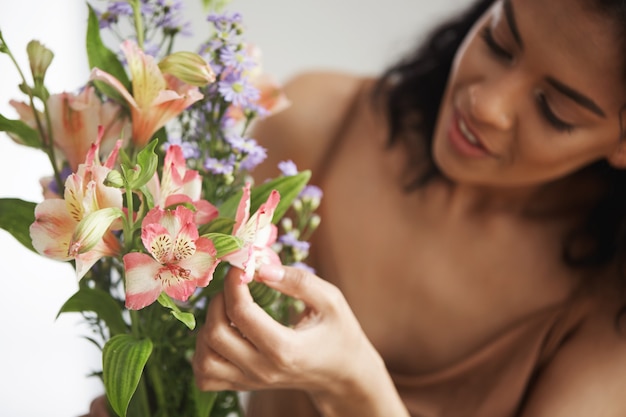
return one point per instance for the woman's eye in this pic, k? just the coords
(549, 115)
(494, 46)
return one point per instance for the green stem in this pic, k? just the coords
(49, 144)
(129, 224)
(143, 403)
(158, 386)
(50, 150)
(138, 22)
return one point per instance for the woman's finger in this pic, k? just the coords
(214, 373)
(223, 337)
(315, 292)
(253, 322)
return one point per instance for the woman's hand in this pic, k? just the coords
(326, 353)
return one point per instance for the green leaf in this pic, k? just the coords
(187, 319)
(27, 135)
(219, 225)
(123, 360)
(101, 303)
(224, 243)
(16, 216)
(103, 58)
(147, 162)
(288, 188)
(204, 400)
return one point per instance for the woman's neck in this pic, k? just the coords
(568, 198)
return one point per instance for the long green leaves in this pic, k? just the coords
(24, 133)
(123, 360)
(16, 216)
(101, 303)
(101, 57)
(288, 188)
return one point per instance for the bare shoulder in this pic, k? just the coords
(302, 132)
(588, 375)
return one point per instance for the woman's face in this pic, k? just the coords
(534, 94)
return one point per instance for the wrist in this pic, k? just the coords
(367, 391)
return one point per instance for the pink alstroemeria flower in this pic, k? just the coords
(56, 220)
(179, 260)
(75, 119)
(156, 98)
(257, 233)
(180, 185)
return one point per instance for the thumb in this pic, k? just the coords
(299, 283)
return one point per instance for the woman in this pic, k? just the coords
(472, 230)
(479, 251)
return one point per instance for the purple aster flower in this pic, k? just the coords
(53, 186)
(190, 149)
(236, 58)
(311, 192)
(254, 153)
(237, 90)
(254, 158)
(113, 13)
(288, 168)
(224, 20)
(220, 166)
(237, 142)
(289, 239)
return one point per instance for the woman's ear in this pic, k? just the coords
(618, 158)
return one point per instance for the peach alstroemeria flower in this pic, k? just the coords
(272, 99)
(54, 231)
(257, 234)
(180, 185)
(179, 260)
(75, 119)
(156, 98)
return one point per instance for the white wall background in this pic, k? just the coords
(44, 363)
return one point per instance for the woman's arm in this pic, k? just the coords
(588, 375)
(326, 353)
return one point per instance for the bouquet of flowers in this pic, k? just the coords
(151, 197)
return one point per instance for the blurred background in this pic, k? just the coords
(44, 362)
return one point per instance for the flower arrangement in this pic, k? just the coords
(151, 197)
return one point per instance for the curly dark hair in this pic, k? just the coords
(412, 90)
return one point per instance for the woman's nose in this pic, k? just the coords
(493, 104)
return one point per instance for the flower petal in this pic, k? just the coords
(52, 230)
(142, 285)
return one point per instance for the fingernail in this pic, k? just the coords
(271, 272)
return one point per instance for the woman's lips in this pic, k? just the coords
(463, 139)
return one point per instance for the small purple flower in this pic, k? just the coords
(311, 192)
(190, 149)
(288, 168)
(220, 166)
(113, 13)
(236, 58)
(254, 153)
(224, 20)
(237, 91)
(289, 239)
(53, 186)
(254, 158)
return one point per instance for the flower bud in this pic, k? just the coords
(39, 58)
(114, 179)
(91, 229)
(188, 67)
(314, 221)
(287, 224)
(297, 205)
